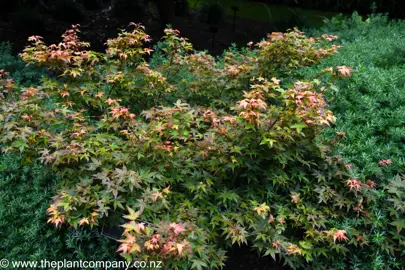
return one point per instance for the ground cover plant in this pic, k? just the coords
(370, 105)
(238, 160)
(370, 111)
(22, 74)
(25, 192)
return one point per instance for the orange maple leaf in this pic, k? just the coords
(124, 248)
(166, 190)
(26, 117)
(293, 249)
(156, 195)
(84, 220)
(275, 81)
(110, 101)
(339, 235)
(65, 94)
(130, 239)
(344, 70)
(180, 248)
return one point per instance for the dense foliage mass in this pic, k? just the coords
(22, 74)
(370, 110)
(25, 192)
(241, 162)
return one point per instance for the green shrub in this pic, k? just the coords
(23, 75)
(232, 166)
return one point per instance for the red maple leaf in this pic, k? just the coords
(353, 184)
(177, 228)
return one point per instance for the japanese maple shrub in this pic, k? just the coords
(241, 162)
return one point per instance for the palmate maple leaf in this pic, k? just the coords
(339, 235)
(262, 209)
(26, 117)
(110, 101)
(353, 184)
(34, 38)
(177, 228)
(180, 248)
(130, 239)
(84, 221)
(147, 50)
(385, 162)
(166, 190)
(275, 81)
(57, 221)
(157, 195)
(344, 71)
(293, 249)
(124, 248)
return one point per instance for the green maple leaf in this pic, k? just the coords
(92, 166)
(400, 224)
(299, 127)
(198, 264)
(132, 214)
(20, 144)
(9, 136)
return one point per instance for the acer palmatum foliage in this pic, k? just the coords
(233, 165)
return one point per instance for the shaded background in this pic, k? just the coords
(209, 24)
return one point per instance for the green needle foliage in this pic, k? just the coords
(370, 106)
(21, 73)
(25, 193)
(370, 110)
